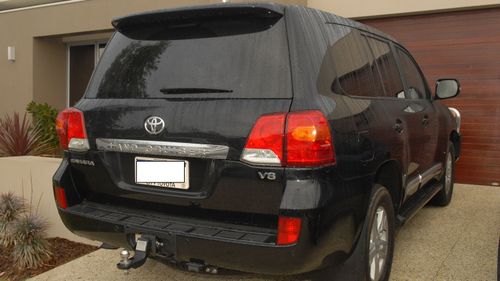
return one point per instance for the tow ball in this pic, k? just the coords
(148, 245)
(142, 249)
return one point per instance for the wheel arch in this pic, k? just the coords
(389, 175)
(456, 140)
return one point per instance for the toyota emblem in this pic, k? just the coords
(154, 125)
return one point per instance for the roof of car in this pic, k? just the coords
(220, 9)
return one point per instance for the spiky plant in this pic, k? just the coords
(11, 207)
(31, 249)
(19, 137)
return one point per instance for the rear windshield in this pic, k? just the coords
(253, 63)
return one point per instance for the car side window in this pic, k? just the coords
(414, 80)
(354, 71)
(388, 69)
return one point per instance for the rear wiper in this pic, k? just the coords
(193, 90)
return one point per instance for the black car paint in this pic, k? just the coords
(332, 200)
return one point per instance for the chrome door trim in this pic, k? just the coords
(421, 179)
(163, 148)
(432, 172)
(412, 186)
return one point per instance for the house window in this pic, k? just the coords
(82, 59)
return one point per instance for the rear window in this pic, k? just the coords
(199, 61)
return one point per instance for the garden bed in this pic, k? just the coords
(62, 250)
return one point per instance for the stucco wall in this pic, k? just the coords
(364, 8)
(40, 68)
(31, 177)
(49, 71)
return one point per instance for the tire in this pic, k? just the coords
(498, 261)
(443, 197)
(379, 248)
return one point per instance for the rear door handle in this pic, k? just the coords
(398, 127)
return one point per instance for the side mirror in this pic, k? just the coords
(447, 88)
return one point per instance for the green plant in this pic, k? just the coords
(44, 116)
(18, 137)
(11, 207)
(31, 249)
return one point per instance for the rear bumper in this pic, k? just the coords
(231, 246)
(244, 248)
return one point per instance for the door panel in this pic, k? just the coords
(461, 44)
(404, 113)
(424, 117)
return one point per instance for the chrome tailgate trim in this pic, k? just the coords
(164, 148)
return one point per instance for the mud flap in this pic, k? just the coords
(353, 268)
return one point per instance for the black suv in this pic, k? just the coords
(262, 138)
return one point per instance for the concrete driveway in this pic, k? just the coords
(458, 242)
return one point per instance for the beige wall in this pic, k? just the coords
(49, 71)
(20, 175)
(39, 71)
(366, 8)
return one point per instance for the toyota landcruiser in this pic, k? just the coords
(255, 137)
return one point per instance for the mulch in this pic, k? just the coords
(62, 250)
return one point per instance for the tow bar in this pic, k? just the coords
(141, 254)
(148, 245)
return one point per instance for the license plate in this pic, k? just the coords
(166, 173)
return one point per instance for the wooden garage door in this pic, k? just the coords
(464, 45)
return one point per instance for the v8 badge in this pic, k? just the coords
(267, 175)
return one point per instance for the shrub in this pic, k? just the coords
(44, 116)
(11, 207)
(31, 249)
(18, 137)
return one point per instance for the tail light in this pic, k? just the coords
(265, 143)
(60, 196)
(308, 139)
(70, 126)
(288, 230)
(296, 139)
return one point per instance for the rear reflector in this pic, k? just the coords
(60, 196)
(70, 127)
(288, 230)
(306, 140)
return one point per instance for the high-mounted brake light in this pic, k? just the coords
(70, 126)
(288, 230)
(305, 141)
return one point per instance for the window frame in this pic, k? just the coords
(366, 51)
(398, 47)
(368, 35)
(96, 44)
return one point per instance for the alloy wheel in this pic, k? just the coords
(448, 174)
(379, 244)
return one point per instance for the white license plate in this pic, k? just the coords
(162, 172)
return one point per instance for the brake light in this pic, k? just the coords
(265, 143)
(70, 126)
(308, 139)
(60, 196)
(288, 230)
(305, 141)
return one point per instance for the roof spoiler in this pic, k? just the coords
(187, 18)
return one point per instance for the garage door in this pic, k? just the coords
(464, 45)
